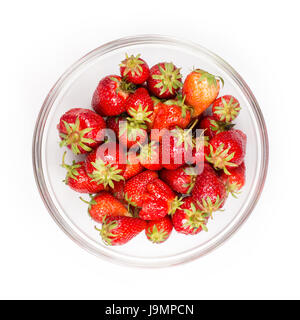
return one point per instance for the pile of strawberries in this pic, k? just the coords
(132, 187)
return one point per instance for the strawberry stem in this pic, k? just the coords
(71, 169)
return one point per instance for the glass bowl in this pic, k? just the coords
(75, 88)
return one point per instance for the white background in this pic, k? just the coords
(40, 39)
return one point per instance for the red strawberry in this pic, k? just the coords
(127, 130)
(160, 190)
(158, 201)
(170, 114)
(81, 130)
(189, 218)
(132, 133)
(139, 105)
(181, 180)
(106, 164)
(212, 126)
(118, 191)
(236, 180)
(164, 80)
(150, 156)
(201, 148)
(135, 69)
(156, 106)
(133, 166)
(105, 205)
(227, 149)
(137, 186)
(226, 108)
(177, 149)
(120, 230)
(110, 96)
(77, 178)
(159, 231)
(209, 191)
(113, 123)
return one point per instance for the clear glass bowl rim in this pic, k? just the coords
(42, 118)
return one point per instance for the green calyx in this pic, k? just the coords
(210, 78)
(169, 78)
(132, 129)
(132, 64)
(106, 231)
(190, 171)
(201, 141)
(105, 173)
(179, 101)
(123, 85)
(220, 126)
(133, 211)
(90, 203)
(141, 115)
(220, 158)
(228, 111)
(75, 137)
(129, 200)
(233, 188)
(71, 169)
(195, 219)
(184, 136)
(175, 205)
(156, 100)
(157, 236)
(209, 207)
(147, 150)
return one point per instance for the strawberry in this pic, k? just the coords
(178, 148)
(113, 123)
(236, 180)
(160, 190)
(103, 205)
(226, 108)
(170, 114)
(156, 106)
(158, 231)
(158, 201)
(137, 186)
(81, 130)
(150, 156)
(118, 191)
(164, 80)
(139, 105)
(209, 191)
(106, 164)
(154, 209)
(227, 149)
(129, 132)
(135, 69)
(110, 96)
(212, 126)
(120, 230)
(132, 133)
(174, 154)
(201, 148)
(77, 178)
(133, 166)
(189, 219)
(201, 89)
(181, 180)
